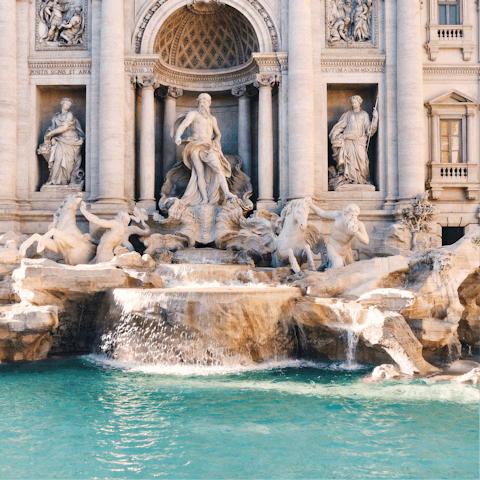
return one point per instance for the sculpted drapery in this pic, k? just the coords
(64, 140)
(349, 143)
(207, 154)
(203, 155)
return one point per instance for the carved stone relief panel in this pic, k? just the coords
(351, 23)
(61, 25)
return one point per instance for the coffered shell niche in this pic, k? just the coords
(209, 52)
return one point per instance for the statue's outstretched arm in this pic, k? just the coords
(93, 218)
(323, 214)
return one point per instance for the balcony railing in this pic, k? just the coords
(450, 33)
(449, 36)
(453, 175)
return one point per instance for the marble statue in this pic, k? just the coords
(72, 30)
(62, 147)
(140, 215)
(340, 25)
(60, 23)
(361, 20)
(116, 231)
(293, 245)
(203, 155)
(64, 236)
(348, 21)
(350, 139)
(346, 226)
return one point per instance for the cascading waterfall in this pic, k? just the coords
(145, 334)
(200, 324)
(352, 317)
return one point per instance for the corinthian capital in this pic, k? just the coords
(266, 80)
(239, 91)
(173, 92)
(147, 82)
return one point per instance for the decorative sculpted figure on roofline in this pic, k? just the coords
(203, 155)
(62, 147)
(350, 139)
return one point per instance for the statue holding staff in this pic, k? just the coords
(350, 138)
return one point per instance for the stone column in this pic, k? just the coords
(112, 106)
(300, 100)
(170, 115)
(410, 109)
(8, 103)
(147, 146)
(244, 128)
(92, 161)
(130, 94)
(265, 142)
(389, 108)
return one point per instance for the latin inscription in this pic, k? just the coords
(60, 72)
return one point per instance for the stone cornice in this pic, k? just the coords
(206, 79)
(473, 70)
(353, 65)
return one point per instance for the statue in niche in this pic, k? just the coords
(203, 155)
(349, 21)
(361, 20)
(62, 148)
(350, 139)
(60, 24)
(346, 226)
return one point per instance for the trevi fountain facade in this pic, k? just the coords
(254, 179)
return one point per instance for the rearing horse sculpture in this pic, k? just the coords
(293, 245)
(64, 236)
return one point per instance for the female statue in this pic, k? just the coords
(62, 147)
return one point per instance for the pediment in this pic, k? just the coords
(453, 98)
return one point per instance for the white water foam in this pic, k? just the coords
(208, 369)
(389, 391)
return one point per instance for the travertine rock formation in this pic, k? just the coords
(25, 332)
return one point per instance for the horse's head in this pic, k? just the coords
(73, 201)
(300, 211)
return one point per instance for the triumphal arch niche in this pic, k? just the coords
(230, 51)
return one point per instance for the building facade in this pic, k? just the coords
(281, 74)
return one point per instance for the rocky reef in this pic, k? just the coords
(414, 312)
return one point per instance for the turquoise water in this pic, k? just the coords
(90, 418)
